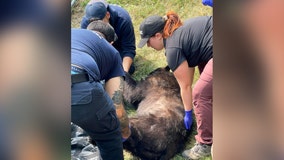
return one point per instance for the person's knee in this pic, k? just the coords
(202, 91)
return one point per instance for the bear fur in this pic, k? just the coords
(157, 129)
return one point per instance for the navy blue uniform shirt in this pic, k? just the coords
(97, 56)
(120, 20)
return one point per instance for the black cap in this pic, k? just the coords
(149, 27)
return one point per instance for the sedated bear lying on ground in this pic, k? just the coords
(157, 129)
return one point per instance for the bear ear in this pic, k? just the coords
(167, 68)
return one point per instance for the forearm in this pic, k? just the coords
(127, 61)
(186, 95)
(128, 47)
(124, 121)
(114, 87)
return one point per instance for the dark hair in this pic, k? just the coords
(93, 19)
(172, 23)
(105, 28)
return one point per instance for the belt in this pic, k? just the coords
(81, 77)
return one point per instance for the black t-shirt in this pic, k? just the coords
(193, 41)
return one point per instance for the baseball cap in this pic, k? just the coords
(149, 27)
(96, 10)
(94, 1)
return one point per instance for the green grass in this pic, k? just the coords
(147, 59)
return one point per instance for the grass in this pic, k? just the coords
(147, 59)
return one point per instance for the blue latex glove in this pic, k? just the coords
(123, 139)
(188, 119)
(207, 3)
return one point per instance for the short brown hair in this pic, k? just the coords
(105, 28)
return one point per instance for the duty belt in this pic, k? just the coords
(81, 76)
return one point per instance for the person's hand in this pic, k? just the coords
(188, 119)
(124, 139)
(207, 3)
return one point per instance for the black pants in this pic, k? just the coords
(93, 110)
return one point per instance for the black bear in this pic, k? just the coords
(157, 129)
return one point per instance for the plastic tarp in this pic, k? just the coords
(82, 147)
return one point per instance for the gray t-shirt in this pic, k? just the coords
(193, 41)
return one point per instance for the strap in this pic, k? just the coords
(77, 78)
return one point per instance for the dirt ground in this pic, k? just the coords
(77, 12)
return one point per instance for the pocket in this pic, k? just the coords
(81, 97)
(105, 109)
(115, 121)
(98, 89)
(110, 121)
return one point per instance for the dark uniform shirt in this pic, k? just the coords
(97, 56)
(192, 42)
(122, 24)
